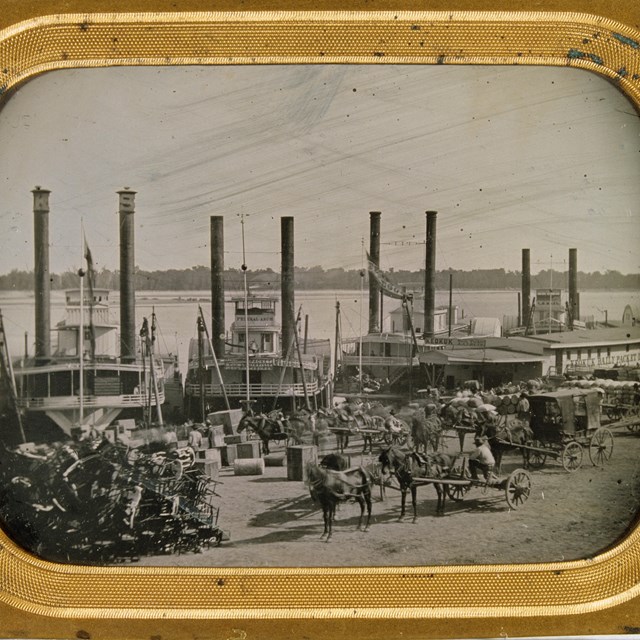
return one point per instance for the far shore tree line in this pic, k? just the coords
(306, 278)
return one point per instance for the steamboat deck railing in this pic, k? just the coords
(255, 390)
(60, 403)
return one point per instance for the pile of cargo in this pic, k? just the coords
(613, 391)
(100, 502)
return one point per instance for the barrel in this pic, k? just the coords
(248, 467)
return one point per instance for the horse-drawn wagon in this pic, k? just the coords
(450, 475)
(564, 422)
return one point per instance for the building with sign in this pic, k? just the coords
(494, 361)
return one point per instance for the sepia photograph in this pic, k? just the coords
(319, 315)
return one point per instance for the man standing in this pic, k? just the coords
(195, 438)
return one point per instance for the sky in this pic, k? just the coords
(511, 157)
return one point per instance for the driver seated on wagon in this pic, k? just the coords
(392, 424)
(481, 459)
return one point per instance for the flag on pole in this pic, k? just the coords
(387, 287)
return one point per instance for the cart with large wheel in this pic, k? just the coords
(516, 486)
(565, 423)
(623, 416)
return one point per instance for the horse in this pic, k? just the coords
(426, 430)
(335, 461)
(504, 437)
(265, 428)
(331, 420)
(408, 465)
(329, 487)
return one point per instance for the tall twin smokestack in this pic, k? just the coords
(526, 286)
(374, 287)
(217, 285)
(430, 276)
(126, 212)
(42, 283)
(574, 299)
(287, 283)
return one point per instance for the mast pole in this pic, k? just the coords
(81, 328)
(215, 359)
(201, 365)
(304, 382)
(450, 300)
(337, 339)
(550, 293)
(360, 328)
(246, 313)
(5, 362)
(153, 368)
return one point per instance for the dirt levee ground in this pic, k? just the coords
(273, 521)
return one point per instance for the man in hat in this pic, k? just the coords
(481, 458)
(523, 408)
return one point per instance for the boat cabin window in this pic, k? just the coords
(256, 306)
(266, 342)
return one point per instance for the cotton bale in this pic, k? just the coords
(248, 467)
(275, 460)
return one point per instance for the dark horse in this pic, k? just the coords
(504, 437)
(265, 428)
(407, 466)
(329, 487)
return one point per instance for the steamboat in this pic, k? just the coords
(95, 370)
(260, 362)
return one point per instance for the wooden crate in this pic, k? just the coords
(229, 455)
(216, 436)
(213, 454)
(228, 419)
(297, 457)
(249, 449)
(211, 468)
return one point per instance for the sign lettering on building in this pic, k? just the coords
(457, 342)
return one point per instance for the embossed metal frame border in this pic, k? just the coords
(473, 593)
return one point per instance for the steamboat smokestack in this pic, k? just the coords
(574, 301)
(127, 264)
(374, 287)
(287, 283)
(42, 281)
(217, 285)
(526, 286)
(430, 276)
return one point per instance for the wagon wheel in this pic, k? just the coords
(600, 447)
(518, 488)
(634, 425)
(537, 458)
(572, 456)
(458, 491)
(615, 411)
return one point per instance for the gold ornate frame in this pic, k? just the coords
(595, 595)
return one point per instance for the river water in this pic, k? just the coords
(176, 311)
